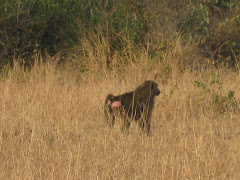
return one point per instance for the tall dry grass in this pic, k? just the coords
(52, 123)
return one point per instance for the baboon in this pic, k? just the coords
(136, 106)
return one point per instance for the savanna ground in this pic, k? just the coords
(59, 60)
(52, 125)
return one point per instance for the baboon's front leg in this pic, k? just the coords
(148, 128)
(145, 126)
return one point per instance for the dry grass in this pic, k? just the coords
(52, 127)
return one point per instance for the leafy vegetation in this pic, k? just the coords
(221, 102)
(56, 27)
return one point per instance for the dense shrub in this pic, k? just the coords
(50, 26)
(30, 26)
(215, 25)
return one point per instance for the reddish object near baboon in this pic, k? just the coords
(116, 104)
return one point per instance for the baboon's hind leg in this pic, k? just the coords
(109, 116)
(125, 126)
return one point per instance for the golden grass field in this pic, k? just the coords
(52, 126)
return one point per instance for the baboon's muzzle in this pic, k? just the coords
(157, 92)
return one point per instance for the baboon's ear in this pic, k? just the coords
(152, 85)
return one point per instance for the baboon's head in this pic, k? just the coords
(148, 88)
(150, 85)
(154, 88)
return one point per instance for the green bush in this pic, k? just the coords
(50, 26)
(215, 25)
(213, 96)
(31, 26)
(34, 25)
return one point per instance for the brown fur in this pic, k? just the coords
(135, 106)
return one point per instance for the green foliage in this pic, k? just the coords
(50, 26)
(216, 25)
(117, 21)
(31, 26)
(220, 101)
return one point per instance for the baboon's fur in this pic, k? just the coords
(135, 105)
